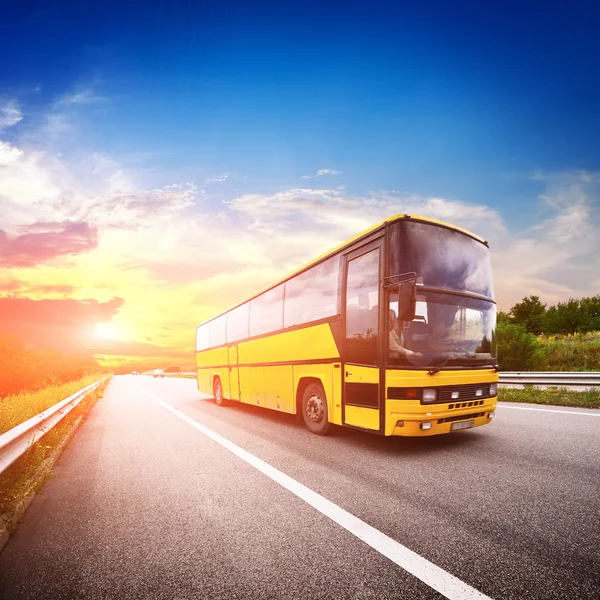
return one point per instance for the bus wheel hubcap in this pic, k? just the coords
(218, 391)
(314, 408)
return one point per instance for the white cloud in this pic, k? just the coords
(219, 178)
(41, 186)
(559, 257)
(132, 210)
(8, 154)
(344, 215)
(10, 114)
(57, 124)
(67, 110)
(82, 96)
(322, 172)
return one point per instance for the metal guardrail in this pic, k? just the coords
(551, 378)
(16, 441)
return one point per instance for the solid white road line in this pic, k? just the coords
(435, 577)
(552, 410)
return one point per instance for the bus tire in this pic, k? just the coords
(218, 392)
(314, 409)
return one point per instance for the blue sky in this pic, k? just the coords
(461, 110)
(441, 98)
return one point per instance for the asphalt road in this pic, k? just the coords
(145, 505)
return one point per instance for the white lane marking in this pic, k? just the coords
(566, 412)
(443, 582)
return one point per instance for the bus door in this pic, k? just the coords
(361, 398)
(234, 373)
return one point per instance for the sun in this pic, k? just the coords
(106, 331)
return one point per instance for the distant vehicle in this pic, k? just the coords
(392, 332)
(134, 373)
(158, 373)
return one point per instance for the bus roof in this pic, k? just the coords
(339, 247)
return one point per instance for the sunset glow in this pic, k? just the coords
(106, 331)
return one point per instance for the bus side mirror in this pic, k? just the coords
(407, 300)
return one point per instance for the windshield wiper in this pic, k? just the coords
(440, 366)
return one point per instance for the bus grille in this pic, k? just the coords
(465, 404)
(470, 392)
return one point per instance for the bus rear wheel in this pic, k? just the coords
(218, 392)
(314, 409)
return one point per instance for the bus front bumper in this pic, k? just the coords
(438, 419)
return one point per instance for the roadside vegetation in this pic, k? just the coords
(26, 368)
(30, 472)
(31, 381)
(551, 396)
(17, 408)
(565, 337)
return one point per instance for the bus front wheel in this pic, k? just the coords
(314, 409)
(218, 392)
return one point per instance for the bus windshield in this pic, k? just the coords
(441, 257)
(450, 328)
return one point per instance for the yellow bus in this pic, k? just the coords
(392, 332)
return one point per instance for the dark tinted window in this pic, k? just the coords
(440, 257)
(266, 312)
(362, 309)
(217, 332)
(202, 338)
(237, 323)
(312, 295)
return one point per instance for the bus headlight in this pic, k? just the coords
(429, 395)
(493, 389)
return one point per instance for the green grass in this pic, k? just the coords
(16, 409)
(551, 396)
(29, 473)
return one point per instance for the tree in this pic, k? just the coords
(518, 350)
(590, 309)
(566, 317)
(530, 313)
(503, 317)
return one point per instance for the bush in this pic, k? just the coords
(576, 352)
(518, 350)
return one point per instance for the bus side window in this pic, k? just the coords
(266, 312)
(312, 295)
(202, 342)
(238, 323)
(217, 331)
